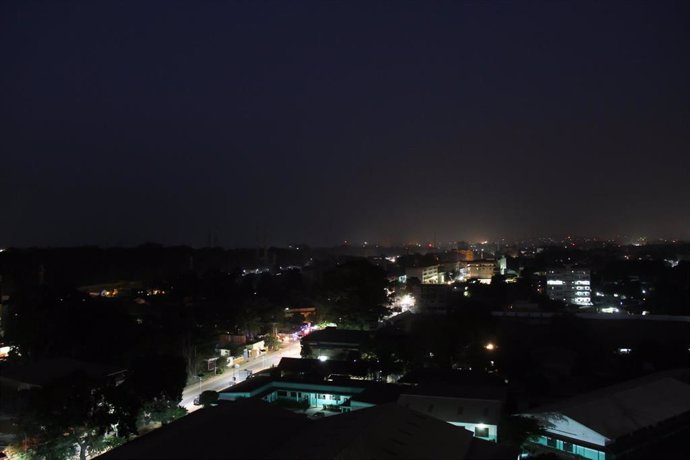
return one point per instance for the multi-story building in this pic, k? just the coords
(427, 275)
(483, 270)
(571, 286)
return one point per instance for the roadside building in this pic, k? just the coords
(334, 343)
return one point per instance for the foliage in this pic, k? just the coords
(272, 342)
(353, 295)
(153, 377)
(76, 417)
(62, 314)
(306, 351)
(515, 430)
(208, 398)
(161, 411)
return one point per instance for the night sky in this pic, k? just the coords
(318, 122)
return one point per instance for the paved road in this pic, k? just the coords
(224, 380)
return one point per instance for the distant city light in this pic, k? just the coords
(490, 346)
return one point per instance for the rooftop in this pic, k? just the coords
(332, 334)
(255, 429)
(387, 431)
(209, 433)
(623, 409)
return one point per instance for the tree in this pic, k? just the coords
(272, 342)
(74, 417)
(306, 351)
(152, 377)
(162, 411)
(517, 431)
(353, 294)
(208, 398)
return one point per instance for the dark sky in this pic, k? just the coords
(318, 122)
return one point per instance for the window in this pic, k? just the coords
(282, 393)
(293, 394)
(567, 446)
(481, 432)
(551, 442)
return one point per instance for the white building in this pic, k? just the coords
(480, 416)
(617, 421)
(571, 286)
(427, 275)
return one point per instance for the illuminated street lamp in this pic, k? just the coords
(490, 346)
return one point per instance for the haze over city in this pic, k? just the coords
(320, 122)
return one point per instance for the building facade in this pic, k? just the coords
(427, 275)
(571, 286)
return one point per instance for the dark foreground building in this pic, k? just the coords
(250, 428)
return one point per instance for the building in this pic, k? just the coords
(315, 369)
(427, 275)
(334, 343)
(476, 411)
(483, 270)
(569, 285)
(433, 298)
(389, 431)
(475, 406)
(257, 430)
(472, 400)
(629, 420)
(308, 313)
(267, 431)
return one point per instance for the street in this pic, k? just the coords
(224, 380)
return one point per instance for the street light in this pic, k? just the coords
(490, 346)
